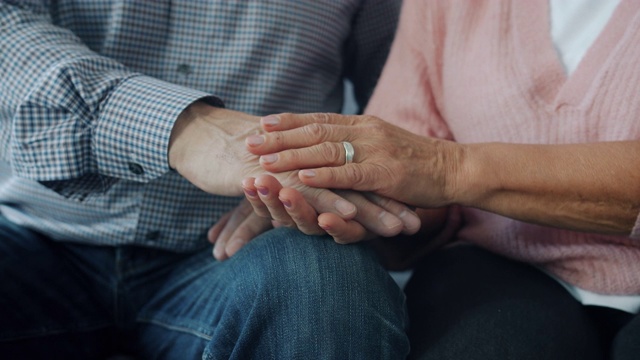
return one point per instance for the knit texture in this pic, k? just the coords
(487, 71)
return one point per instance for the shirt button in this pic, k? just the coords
(136, 168)
(153, 235)
(184, 69)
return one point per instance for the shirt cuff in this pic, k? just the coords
(132, 135)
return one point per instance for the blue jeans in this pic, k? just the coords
(284, 296)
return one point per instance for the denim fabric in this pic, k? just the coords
(284, 296)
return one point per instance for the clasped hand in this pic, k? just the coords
(207, 148)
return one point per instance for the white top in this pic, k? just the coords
(575, 25)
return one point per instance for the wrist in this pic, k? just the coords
(477, 177)
(175, 151)
(455, 167)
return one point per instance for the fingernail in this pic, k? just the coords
(255, 140)
(286, 203)
(263, 190)
(324, 227)
(250, 192)
(270, 120)
(307, 173)
(345, 208)
(268, 159)
(218, 252)
(389, 220)
(410, 219)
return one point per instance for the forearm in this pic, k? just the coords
(586, 187)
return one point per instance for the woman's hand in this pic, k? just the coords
(388, 160)
(588, 187)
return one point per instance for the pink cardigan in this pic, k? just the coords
(485, 71)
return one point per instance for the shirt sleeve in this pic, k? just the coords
(368, 44)
(79, 121)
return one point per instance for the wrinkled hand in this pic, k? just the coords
(388, 160)
(207, 148)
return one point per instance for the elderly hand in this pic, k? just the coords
(207, 148)
(387, 160)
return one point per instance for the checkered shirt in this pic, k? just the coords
(89, 92)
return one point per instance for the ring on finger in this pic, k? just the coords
(349, 152)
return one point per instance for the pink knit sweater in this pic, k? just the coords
(487, 71)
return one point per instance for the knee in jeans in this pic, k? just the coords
(285, 261)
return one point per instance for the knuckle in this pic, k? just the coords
(314, 131)
(277, 138)
(357, 177)
(377, 128)
(322, 118)
(331, 152)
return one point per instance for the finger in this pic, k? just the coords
(327, 201)
(410, 220)
(216, 229)
(287, 121)
(268, 190)
(251, 227)
(360, 177)
(305, 216)
(238, 215)
(343, 232)
(324, 154)
(373, 217)
(305, 136)
(251, 194)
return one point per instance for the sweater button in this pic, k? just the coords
(136, 168)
